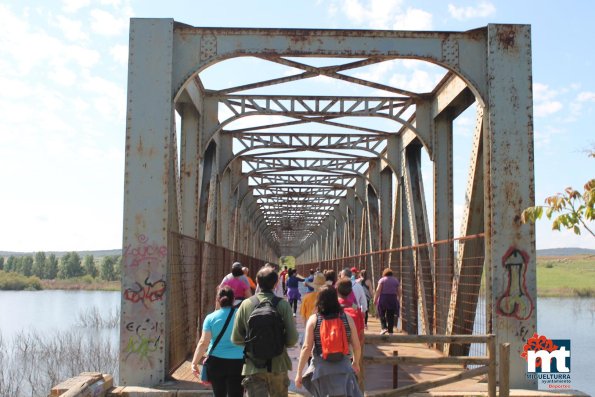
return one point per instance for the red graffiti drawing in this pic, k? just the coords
(151, 292)
(515, 301)
(144, 252)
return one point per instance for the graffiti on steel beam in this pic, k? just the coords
(147, 293)
(522, 333)
(142, 327)
(515, 301)
(143, 253)
(142, 345)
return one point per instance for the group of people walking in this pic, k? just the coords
(246, 339)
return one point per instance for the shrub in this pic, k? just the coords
(87, 279)
(584, 292)
(16, 282)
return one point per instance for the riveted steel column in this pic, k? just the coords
(510, 188)
(469, 260)
(190, 157)
(359, 216)
(386, 207)
(394, 152)
(443, 217)
(409, 306)
(226, 207)
(420, 234)
(144, 331)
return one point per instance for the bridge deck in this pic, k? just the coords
(377, 376)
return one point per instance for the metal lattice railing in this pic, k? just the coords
(196, 269)
(442, 288)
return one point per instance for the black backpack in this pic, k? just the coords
(265, 334)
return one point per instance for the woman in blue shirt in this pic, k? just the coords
(227, 359)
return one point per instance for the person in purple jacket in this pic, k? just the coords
(293, 291)
(387, 300)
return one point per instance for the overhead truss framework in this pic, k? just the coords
(325, 176)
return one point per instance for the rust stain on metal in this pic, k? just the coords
(139, 147)
(508, 38)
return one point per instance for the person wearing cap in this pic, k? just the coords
(241, 289)
(354, 273)
(308, 306)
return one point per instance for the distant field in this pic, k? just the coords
(566, 275)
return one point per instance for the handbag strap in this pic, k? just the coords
(223, 330)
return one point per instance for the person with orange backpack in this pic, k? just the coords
(350, 308)
(330, 334)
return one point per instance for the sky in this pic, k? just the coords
(63, 70)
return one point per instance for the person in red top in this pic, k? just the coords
(282, 277)
(351, 309)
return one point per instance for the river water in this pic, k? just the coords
(49, 311)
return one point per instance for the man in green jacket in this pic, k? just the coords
(259, 382)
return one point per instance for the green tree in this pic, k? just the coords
(11, 265)
(1, 263)
(107, 270)
(572, 209)
(89, 266)
(70, 266)
(51, 267)
(118, 268)
(27, 265)
(39, 265)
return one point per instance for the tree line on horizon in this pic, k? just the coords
(70, 265)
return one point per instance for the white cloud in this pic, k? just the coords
(72, 29)
(586, 96)
(376, 72)
(413, 19)
(418, 81)
(482, 10)
(547, 108)
(71, 6)
(62, 75)
(107, 24)
(382, 14)
(120, 54)
(108, 98)
(545, 102)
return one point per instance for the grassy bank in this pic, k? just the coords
(10, 281)
(566, 276)
(81, 283)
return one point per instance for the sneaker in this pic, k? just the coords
(293, 314)
(383, 332)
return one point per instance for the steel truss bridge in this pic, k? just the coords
(322, 177)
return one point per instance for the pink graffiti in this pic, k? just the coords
(144, 252)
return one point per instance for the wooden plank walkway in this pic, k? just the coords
(378, 377)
